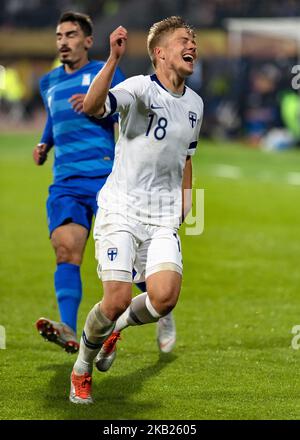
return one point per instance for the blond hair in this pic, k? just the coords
(160, 29)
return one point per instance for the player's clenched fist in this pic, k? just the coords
(118, 40)
(40, 154)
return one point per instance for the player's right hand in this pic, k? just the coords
(40, 154)
(76, 101)
(118, 40)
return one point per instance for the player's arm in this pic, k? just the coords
(40, 151)
(77, 99)
(94, 102)
(187, 183)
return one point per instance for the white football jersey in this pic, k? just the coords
(158, 130)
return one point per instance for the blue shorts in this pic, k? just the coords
(73, 200)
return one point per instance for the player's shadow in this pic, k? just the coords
(114, 395)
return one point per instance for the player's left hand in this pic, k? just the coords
(77, 102)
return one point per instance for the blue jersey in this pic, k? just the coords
(84, 146)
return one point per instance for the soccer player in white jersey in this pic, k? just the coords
(142, 201)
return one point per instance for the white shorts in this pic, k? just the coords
(128, 250)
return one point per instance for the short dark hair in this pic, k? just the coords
(83, 20)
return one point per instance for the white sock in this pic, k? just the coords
(140, 312)
(96, 330)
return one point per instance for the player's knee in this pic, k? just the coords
(166, 305)
(113, 310)
(164, 300)
(120, 308)
(65, 254)
(117, 298)
(62, 254)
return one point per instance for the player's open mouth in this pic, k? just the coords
(188, 58)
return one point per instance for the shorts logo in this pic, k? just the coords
(193, 119)
(112, 253)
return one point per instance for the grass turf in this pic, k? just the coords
(239, 302)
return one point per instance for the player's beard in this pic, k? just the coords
(70, 62)
(71, 59)
(66, 60)
(66, 57)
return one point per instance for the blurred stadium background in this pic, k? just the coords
(243, 72)
(240, 294)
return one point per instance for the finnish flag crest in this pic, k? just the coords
(193, 118)
(112, 253)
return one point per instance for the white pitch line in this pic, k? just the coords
(293, 178)
(227, 171)
(233, 172)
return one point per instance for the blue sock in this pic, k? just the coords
(68, 291)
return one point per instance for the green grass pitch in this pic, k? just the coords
(239, 302)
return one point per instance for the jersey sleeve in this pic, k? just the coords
(193, 145)
(123, 95)
(47, 136)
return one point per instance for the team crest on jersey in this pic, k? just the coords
(112, 253)
(192, 118)
(86, 79)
